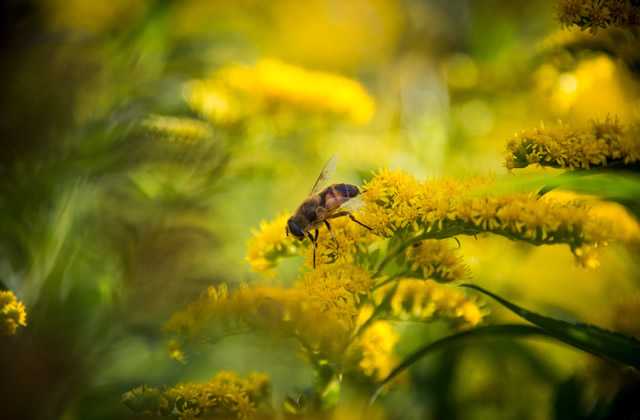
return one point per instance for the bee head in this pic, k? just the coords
(295, 230)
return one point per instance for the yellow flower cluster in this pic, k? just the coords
(320, 311)
(335, 290)
(597, 14)
(226, 396)
(206, 311)
(348, 241)
(178, 129)
(12, 313)
(373, 350)
(392, 201)
(269, 243)
(236, 92)
(604, 144)
(436, 260)
(428, 300)
(395, 201)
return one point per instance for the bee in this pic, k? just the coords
(334, 201)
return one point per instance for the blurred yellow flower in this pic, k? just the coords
(348, 34)
(428, 300)
(320, 311)
(603, 144)
(209, 307)
(175, 351)
(12, 313)
(239, 91)
(374, 349)
(179, 129)
(225, 396)
(594, 87)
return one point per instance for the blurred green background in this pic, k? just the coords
(121, 198)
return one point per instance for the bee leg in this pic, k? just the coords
(346, 213)
(331, 232)
(314, 241)
(358, 222)
(315, 246)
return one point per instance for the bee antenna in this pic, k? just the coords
(286, 229)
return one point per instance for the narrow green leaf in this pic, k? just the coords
(514, 330)
(595, 340)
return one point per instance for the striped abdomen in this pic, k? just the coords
(335, 195)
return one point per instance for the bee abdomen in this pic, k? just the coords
(347, 190)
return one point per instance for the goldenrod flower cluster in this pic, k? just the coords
(178, 129)
(323, 311)
(269, 243)
(238, 91)
(435, 259)
(395, 202)
(349, 240)
(340, 311)
(427, 300)
(226, 396)
(12, 313)
(320, 311)
(597, 14)
(604, 144)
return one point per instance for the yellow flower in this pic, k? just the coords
(436, 260)
(193, 320)
(320, 311)
(212, 100)
(348, 240)
(269, 243)
(335, 291)
(175, 351)
(604, 144)
(374, 350)
(179, 129)
(12, 313)
(391, 201)
(428, 300)
(397, 203)
(225, 396)
(239, 91)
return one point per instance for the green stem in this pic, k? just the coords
(509, 330)
(390, 279)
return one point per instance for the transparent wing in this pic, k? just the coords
(325, 175)
(351, 205)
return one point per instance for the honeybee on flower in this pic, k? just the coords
(336, 200)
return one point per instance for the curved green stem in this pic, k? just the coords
(508, 330)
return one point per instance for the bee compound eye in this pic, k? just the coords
(295, 229)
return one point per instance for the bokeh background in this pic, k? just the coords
(124, 193)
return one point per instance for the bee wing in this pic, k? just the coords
(352, 205)
(325, 175)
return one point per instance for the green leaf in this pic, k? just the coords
(607, 344)
(514, 330)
